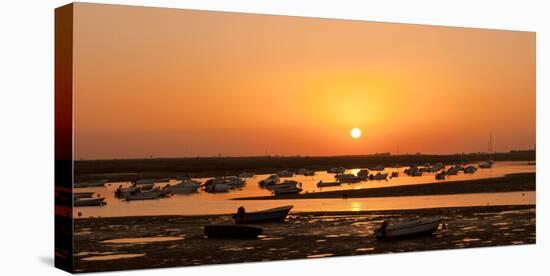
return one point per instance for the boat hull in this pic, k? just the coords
(411, 229)
(276, 215)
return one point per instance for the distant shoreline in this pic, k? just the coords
(133, 169)
(509, 183)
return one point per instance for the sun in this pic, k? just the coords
(355, 133)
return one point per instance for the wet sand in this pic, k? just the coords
(321, 234)
(509, 183)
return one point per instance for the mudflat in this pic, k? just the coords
(121, 243)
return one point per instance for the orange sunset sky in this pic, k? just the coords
(170, 83)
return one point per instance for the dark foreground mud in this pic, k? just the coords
(178, 240)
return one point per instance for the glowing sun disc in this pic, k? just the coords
(355, 133)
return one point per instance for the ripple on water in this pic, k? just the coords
(320, 255)
(112, 257)
(143, 240)
(470, 239)
(364, 249)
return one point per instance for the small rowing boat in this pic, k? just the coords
(270, 215)
(417, 227)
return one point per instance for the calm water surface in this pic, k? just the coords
(202, 203)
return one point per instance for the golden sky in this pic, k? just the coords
(170, 82)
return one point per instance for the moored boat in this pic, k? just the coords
(424, 226)
(185, 186)
(82, 195)
(378, 176)
(231, 231)
(347, 178)
(81, 202)
(337, 170)
(271, 180)
(270, 215)
(328, 184)
(286, 191)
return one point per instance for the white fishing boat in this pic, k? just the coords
(185, 186)
(216, 185)
(424, 226)
(91, 183)
(285, 173)
(271, 180)
(270, 215)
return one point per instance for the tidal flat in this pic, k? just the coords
(121, 243)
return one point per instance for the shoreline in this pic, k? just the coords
(201, 167)
(519, 182)
(323, 213)
(302, 235)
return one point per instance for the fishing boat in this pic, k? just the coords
(81, 202)
(378, 176)
(347, 178)
(185, 186)
(234, 182)
(328, 184)
(271, 180)
(285, 173)
(424, 226)
(286, 191)
(123, 192)
(82, 195)
(470, 169)
(247, 175)
(285, 184)
(486, 165)
(91, 183)
(363, 174)
(231, 231)
(216, 185)
(440, 176)
(148, 195)
(270, 215)
(394, 174)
